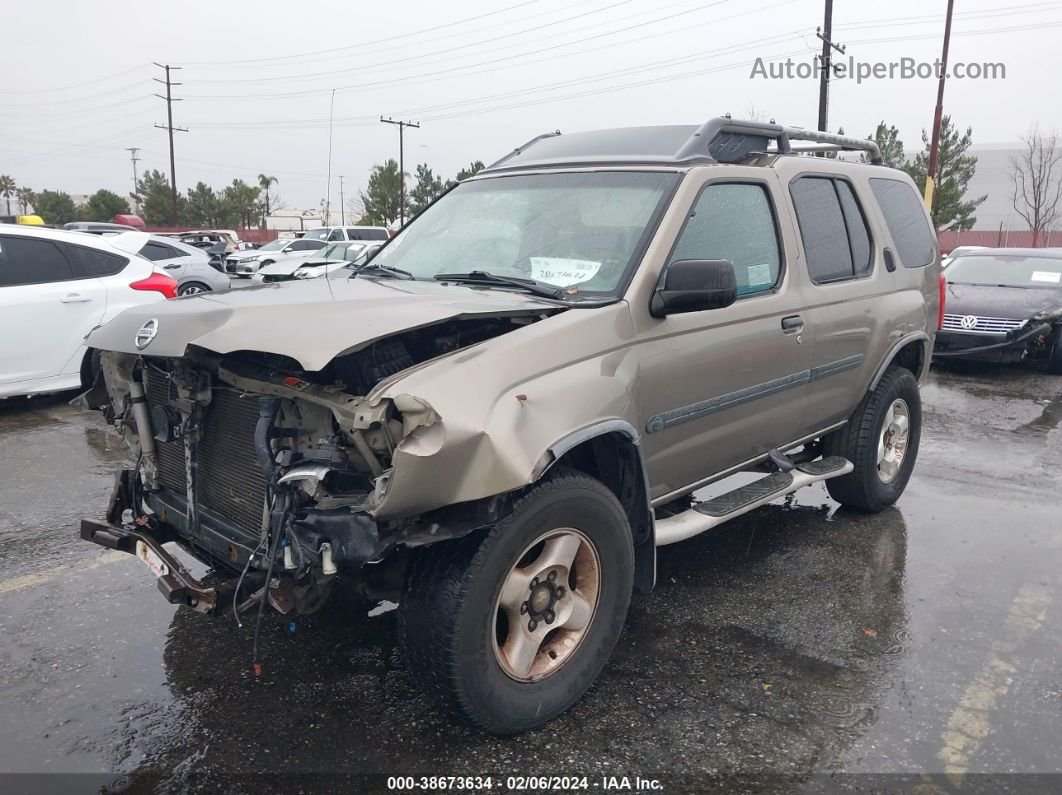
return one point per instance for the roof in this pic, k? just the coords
(718, 140)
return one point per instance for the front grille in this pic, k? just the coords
(981, 325)
(230, 482)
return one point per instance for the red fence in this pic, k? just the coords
(250, 235)
(1002, 238)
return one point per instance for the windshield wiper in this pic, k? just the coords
(532, 286)
(386, 270)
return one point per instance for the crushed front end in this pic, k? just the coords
(267, 474)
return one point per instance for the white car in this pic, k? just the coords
(246, 263)
(334, 233)
(334, 255)
(56, 287)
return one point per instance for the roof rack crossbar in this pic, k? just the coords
(520, 149)
(844, 143)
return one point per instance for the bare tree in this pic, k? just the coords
(1037, 178)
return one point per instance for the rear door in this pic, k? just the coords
(844, 310)
(172, 260)
(48, 303)
(723, 386)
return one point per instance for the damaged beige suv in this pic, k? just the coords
(500, 417)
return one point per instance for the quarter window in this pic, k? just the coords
(98, 263)
(156, 252)
(906, 218)
(25, 260)
(832, 227)
(735, 222)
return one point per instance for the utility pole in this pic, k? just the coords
(132, 150)
(938, 114)
(170, 129)
(342, 207)
(401, 165)
(328, 187)
(824, 33)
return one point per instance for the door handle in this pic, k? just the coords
(74, 298)
(173, 266)
(792, 324)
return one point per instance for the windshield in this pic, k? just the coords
(568, 230)
(1011, 271)
(332, 251)
(274, 245)
(316, 234)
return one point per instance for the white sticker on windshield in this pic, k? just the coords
(563, 272)
(759, 275)
(1047, 276)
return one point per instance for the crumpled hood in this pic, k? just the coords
(289, 265)
(1019, 303)
(310, 321)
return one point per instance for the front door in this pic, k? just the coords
(720, 387)
(46, 309)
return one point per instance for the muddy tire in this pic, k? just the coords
(1054, 356)
(508, 628)
(881, 440)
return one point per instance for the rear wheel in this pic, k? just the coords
(192, 288)
(1054, 356)
(881, 440)
(511, 627)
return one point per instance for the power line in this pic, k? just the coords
(401, 165)
(381, 64)
(437, 74)
(36, 91)
(170, 129)
(360, 46)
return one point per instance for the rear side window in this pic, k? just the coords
(30, 261)
(366, 234)
(734, 221)
(904, 215)
(832, 227)
(156, 252)
(96, 262)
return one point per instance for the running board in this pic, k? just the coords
(707, 515)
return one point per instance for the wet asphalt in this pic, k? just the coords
(801, 647)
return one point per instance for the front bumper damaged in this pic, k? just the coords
(175, 582)
(1012, 347)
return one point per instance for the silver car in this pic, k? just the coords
(246, 263)
(334, 255)
(189, 265)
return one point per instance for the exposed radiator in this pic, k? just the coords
(231, 483)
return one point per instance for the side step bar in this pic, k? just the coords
(707, 515)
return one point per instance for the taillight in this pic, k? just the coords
(159, 282)
(940, 311)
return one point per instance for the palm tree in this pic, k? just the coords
(266, 182)
(7, 189)
(26, 197)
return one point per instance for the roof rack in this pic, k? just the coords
(718, 140)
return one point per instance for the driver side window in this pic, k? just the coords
(734, 221)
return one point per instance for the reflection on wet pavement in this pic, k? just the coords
(798, 640)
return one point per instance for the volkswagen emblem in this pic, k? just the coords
(146, 334)
(968, 322)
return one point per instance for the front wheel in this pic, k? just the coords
(511, 627)
(1054, 356)
(881, 440)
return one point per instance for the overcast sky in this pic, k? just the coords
(76, 79)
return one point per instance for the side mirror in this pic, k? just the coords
(694, 285)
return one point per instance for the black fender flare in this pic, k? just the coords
(903, 342)
(640, 511)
